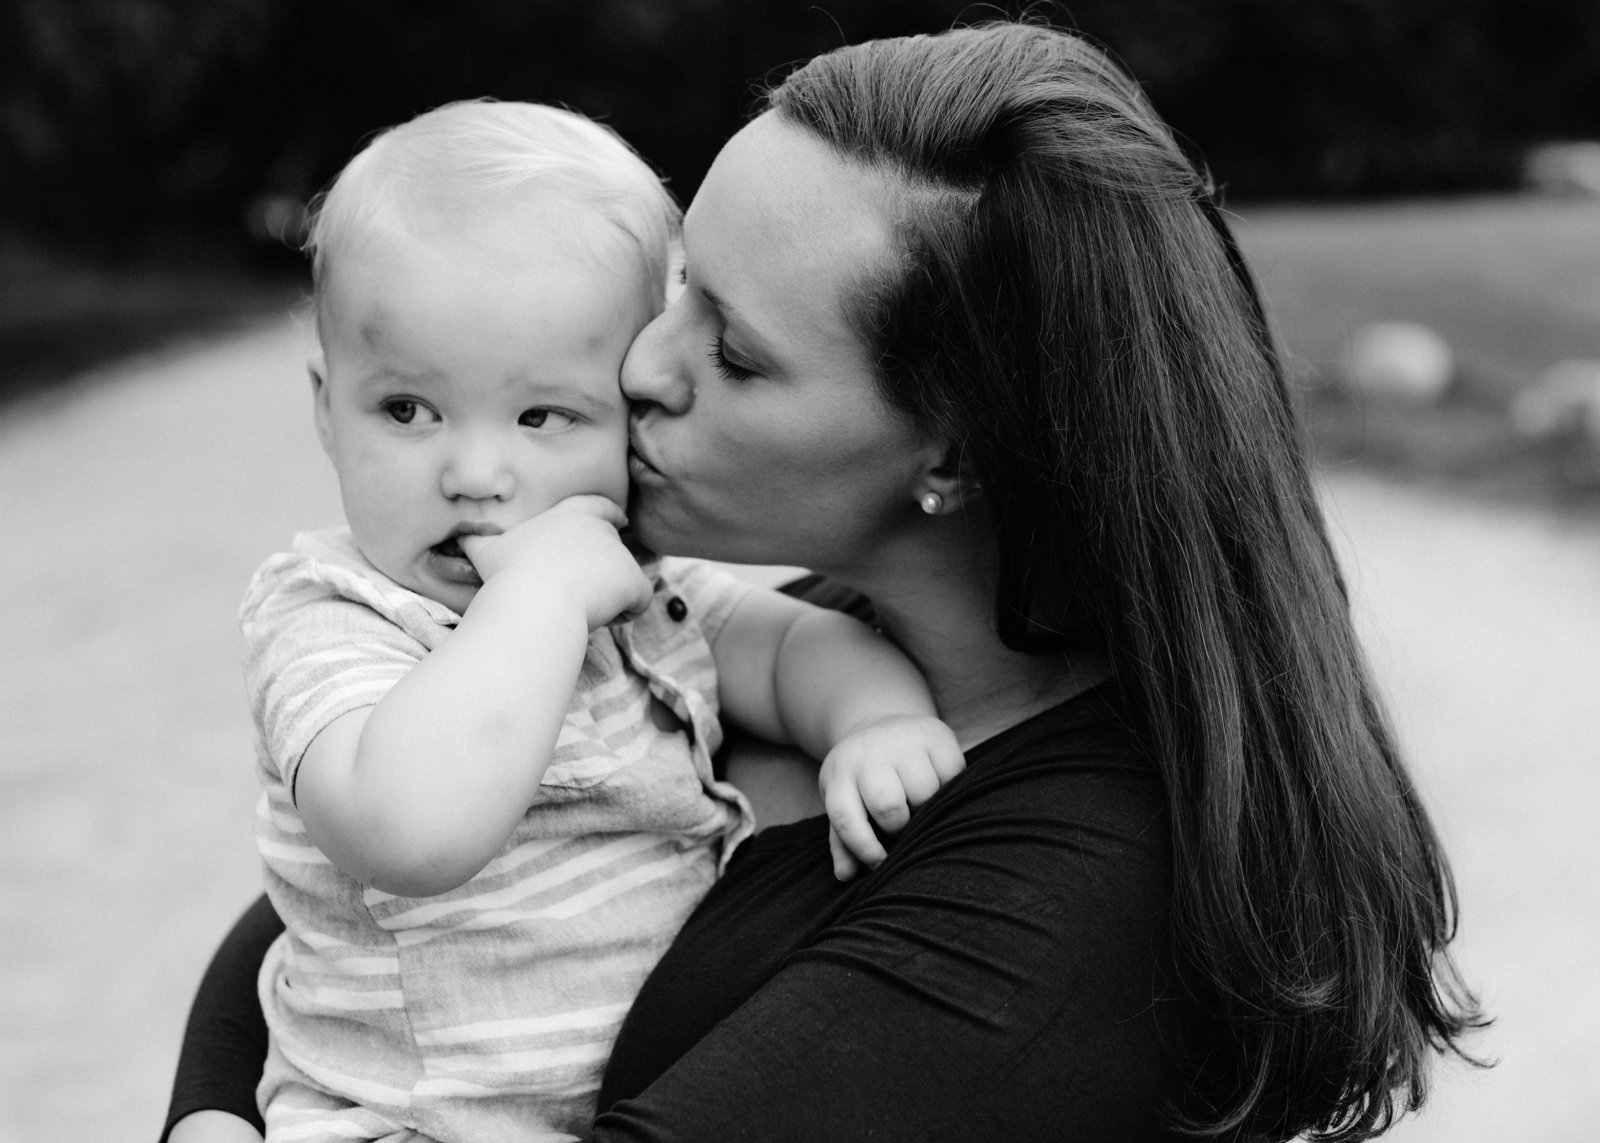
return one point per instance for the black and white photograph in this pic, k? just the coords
(633, 571)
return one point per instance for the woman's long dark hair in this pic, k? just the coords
(1071, 313)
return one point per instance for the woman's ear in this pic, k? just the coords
(944, 487)
(317, 370)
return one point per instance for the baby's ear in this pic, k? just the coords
(317, 370)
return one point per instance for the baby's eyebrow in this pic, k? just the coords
(556, 393)
(388, 375)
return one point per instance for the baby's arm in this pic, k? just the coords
(416, 794)
(795, 673)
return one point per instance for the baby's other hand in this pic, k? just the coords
(880, 773)
(572, 546)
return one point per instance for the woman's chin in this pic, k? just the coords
(662, 521)
(666, 535)
(646, 530)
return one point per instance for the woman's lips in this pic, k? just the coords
(641, 467)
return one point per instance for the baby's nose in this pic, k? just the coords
(477, 472)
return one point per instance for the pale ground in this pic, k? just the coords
(134, 511)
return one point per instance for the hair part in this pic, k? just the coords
(491, 174)
(1070, 312)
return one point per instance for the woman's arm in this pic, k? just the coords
(225, 1040)
(213, 1127)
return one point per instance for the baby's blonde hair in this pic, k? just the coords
(482, 168)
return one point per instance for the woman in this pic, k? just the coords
(963, 330)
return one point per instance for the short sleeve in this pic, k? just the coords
(320, 642)
(709, 592)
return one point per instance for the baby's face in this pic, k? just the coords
(458, 393)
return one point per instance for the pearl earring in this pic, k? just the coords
(932, 503)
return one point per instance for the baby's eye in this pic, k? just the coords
(403, 410)
(545, 419)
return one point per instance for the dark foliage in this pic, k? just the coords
(120, 117)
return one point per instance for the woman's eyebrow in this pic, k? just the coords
(717, 301)
(752, 344)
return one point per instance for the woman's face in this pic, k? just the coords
(759, 435)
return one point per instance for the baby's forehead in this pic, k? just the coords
(533, 387)
(500, 233)
(362, 275)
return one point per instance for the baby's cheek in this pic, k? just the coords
(618, 487)
(610, 475)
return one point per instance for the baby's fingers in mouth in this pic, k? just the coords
(470, 546)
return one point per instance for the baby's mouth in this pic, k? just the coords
(450, 547)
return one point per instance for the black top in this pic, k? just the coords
(1001, 976)
(996, 978)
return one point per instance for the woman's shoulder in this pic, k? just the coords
(1084, 738)
(1064, 796)
(1061, 796)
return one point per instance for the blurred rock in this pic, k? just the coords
(276, 219)
(1402, 361)
(1565, 402)
(1564, 168)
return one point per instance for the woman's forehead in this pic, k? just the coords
(782, 218)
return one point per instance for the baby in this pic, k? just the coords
(486, 729)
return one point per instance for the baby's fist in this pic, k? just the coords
(571, 547)
(878, 774)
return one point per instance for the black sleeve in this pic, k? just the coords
(823, 592)
(225, 1041)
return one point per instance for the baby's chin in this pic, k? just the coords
(455, 591)
(456, 599)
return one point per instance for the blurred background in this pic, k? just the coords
(1416, 183)
(156, 155)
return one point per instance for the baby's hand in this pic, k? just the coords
(883, 770)
(572, 546)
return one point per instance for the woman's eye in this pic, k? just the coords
(545, 419)
(729, 369)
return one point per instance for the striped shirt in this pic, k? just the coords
(485, 1013)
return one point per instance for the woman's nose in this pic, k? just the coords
(476, 469)
(654, 372)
